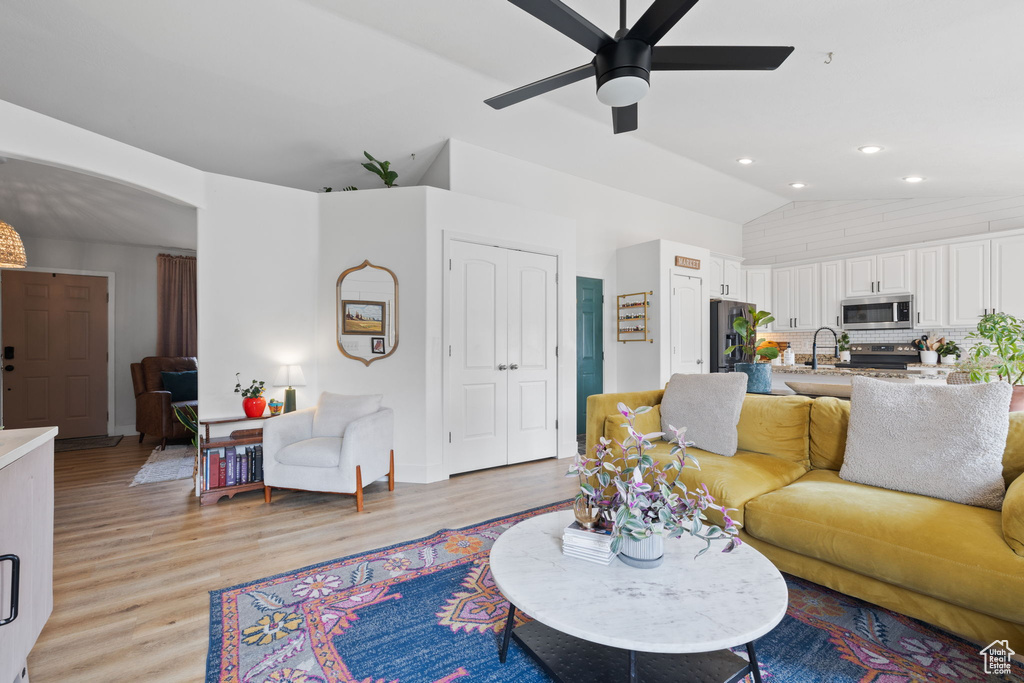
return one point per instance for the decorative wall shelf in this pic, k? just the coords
(632, 317)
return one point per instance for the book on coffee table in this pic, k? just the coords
(593, 545)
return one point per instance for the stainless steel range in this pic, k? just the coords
(882, 356)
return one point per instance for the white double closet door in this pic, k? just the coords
(501, 370)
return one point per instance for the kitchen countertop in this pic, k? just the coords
(880, 373)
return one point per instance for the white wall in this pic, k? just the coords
(405, 230)
(134, 298)
(823, 229)
(257, 289)
(606, 219)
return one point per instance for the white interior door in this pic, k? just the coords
(477, 397)
(687, 322)
(532, 365)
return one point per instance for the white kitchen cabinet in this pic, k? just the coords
(931, 285)
(727, 281)
(1007, 277)
(759, 290)
(831, 293)
(795, 293)
(970, 282)
(888, 273)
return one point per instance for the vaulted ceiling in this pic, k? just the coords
(291, 92)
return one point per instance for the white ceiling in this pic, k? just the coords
(46, 202)
(291, 92)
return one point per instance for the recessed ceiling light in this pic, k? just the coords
(871, 149)
(913, 178)
(797, 186)
(745, 161)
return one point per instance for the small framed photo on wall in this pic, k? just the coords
(377, 345)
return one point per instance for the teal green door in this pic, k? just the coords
(589, 345)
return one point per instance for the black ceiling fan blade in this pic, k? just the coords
(659, 19)
(717, 58)
(624, 119)
(542, 86)
(566, 21)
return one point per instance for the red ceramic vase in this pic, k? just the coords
(254, 407)
(1017, 399)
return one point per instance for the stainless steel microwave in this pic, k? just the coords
(894, 312)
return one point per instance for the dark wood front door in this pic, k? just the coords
(55, 352)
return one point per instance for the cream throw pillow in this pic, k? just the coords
(940, 440)
(708, 406)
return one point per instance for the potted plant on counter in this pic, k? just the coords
(949, 352)
(998, 350)
(759, 373)
(646, 502)
(843, 347)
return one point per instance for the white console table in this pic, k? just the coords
(26, 533)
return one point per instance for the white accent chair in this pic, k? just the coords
(334, 447)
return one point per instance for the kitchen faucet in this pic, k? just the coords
(814, 346)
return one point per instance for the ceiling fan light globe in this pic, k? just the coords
(623, 91)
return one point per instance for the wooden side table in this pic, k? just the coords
(240, 437)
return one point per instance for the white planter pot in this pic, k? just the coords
(844, 356)
(948, 360)
(929, 357)
(645, 554)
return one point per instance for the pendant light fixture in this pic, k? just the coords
(12, 251)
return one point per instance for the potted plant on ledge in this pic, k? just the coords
(253, 402)
(759, 374)
(998, 349)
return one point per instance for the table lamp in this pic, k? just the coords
(290, 376)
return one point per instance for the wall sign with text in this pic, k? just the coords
(687, 262)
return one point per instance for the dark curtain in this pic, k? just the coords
(176, 319)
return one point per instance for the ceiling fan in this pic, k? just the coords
(623, 64)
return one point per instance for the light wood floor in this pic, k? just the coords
(133, 566)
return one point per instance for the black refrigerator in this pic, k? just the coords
(723, 313)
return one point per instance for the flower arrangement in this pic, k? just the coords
(644, 501)
(255, 390)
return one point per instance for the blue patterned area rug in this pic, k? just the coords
(428, 611)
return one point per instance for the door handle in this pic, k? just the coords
(514, 366)
(727, 290)
(8, 368)
(15, 586)
(872, 286)
(503, 367)
(919, 317)
(700, 361)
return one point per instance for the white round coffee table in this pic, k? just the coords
(685, 612)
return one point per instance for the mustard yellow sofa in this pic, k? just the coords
(955, 566)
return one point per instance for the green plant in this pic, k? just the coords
(844, 342)
(747, 329)
(637, 488)
(949, 348)
(998, 348)
(382, 169)
(255, 390)
(188, 416)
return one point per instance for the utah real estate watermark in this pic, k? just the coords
(998, 657)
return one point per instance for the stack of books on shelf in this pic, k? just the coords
(232, 466)
(592, 545)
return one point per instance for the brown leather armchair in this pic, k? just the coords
(154, 412)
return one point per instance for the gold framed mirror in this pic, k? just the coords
(367, 313)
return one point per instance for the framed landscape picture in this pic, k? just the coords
(362, 317)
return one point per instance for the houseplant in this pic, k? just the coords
(997, 348)
(949, 352)
(759, 374)
(645, 503)
(253, 402)
(382, 169)
(843, 347)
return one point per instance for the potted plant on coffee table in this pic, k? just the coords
(759, 374)
(997, 349)
(646, 497)
(253, 402)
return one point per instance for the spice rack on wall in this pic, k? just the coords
(632, 317)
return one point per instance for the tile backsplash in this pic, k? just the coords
(801, 341)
